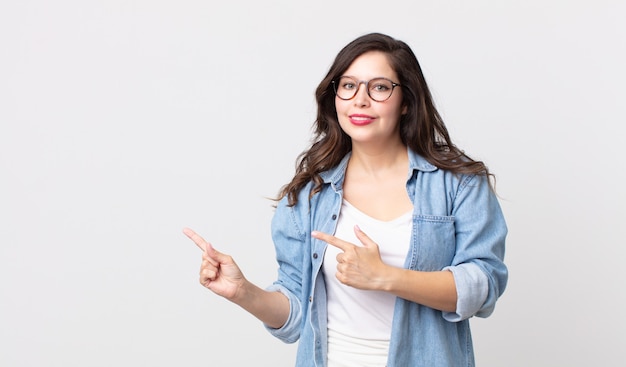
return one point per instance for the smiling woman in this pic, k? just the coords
(380, 115)
(388, 238)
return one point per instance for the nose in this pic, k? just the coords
(361, 97)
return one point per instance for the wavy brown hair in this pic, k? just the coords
(421, 129)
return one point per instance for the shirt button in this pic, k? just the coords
(315, 255)
(334, 216)
(311, 299)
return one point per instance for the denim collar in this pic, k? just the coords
(335, 175)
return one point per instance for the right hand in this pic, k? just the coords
(218, 272)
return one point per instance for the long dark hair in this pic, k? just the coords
(421, 129)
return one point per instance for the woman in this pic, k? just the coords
(388, 238)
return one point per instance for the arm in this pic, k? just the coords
(362, 268)
(478, 263)
(434, 289)
(220, 274)
(473, 281)
(272, 308)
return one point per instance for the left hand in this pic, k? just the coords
(358, 266)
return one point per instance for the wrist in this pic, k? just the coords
(242, 292)
(389, 276)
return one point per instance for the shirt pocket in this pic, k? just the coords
(434, 243)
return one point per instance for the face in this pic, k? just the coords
(362, 118)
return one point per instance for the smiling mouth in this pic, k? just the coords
(361, 119)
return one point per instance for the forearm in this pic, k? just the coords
(272, 308)
(435, 289)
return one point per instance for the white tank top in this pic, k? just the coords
(359, 321)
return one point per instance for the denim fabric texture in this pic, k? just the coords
(458, 225)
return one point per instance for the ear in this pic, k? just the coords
(405, 109)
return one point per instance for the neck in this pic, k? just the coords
(375, 160)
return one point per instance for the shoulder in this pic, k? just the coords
(452, 181)
(293, 215)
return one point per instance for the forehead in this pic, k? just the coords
(370, 65)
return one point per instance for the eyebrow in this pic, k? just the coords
(355, 78)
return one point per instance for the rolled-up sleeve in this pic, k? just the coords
(290, 331)
(289, 242)
(478, 265)
(472, 287)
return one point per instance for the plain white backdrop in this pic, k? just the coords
(121, 122)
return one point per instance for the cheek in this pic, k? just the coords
(394, 113)
(340, 105)
(342, 112)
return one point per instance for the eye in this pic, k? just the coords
(380, 86)
(348, 85)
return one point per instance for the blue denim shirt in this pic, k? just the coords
(457, 225)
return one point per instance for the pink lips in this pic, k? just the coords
(361, 120)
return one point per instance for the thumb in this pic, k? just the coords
(212, 253)
(365, 240)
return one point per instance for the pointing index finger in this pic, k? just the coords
(199, 241)
(331, 240)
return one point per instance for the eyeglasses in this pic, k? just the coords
(379, 89)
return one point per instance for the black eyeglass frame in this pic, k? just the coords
(367, 89)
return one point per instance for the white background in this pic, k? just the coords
(121, 122)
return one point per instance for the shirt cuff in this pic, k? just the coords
(290, 331)
(472, 287)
